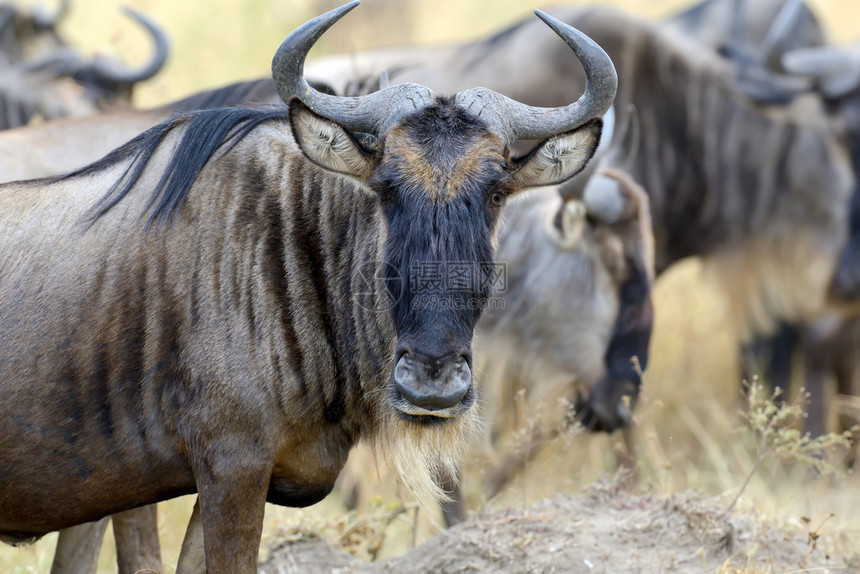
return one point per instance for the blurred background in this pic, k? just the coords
(691, 395)
(220, 41)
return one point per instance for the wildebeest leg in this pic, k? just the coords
(512, 464)
(818, 365)
(771, 357)
(847, 371)
(232, 486)
(136, 533)
(453, 510)
(627, 458)
(192, 558)
(78, 548)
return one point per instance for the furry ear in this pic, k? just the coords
(569, 224)
(559, 158)
(329, 145)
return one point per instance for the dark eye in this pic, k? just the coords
(497, 199)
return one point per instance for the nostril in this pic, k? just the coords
(432, 384)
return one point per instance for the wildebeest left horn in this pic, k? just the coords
(520, 121)
(372, 113)
(43, 19)
(110, 72)
(836, 70)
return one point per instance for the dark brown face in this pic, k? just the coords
(441, 182)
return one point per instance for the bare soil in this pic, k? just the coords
(604, 530)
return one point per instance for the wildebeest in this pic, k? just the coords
(762, 29)
(830, 341)
(232, 325)
(44, 76)
(803, 53)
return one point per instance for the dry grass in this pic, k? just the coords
(688, 412)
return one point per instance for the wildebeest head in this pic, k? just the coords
(441, 169)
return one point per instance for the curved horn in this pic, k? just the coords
(780, 31)
(110, 72)
(42, 19)
(836, 70)
(372, 113)
(520, 121)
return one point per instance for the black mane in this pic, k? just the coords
(205, 132)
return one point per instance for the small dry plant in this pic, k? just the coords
(774, 426)
(361, 536)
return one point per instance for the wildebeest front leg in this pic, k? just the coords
(515, 463)
(192, 558)
(136, 533)
(232, 489)
(78, 548)
(453, 510)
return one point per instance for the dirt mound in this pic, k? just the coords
(602, 531)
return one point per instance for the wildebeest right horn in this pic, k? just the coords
(530, 122)
(109, 72)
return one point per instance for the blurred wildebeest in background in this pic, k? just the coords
(575, 321)
(796, 45)
(43, 76)
(241, 350)
(830, 343)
